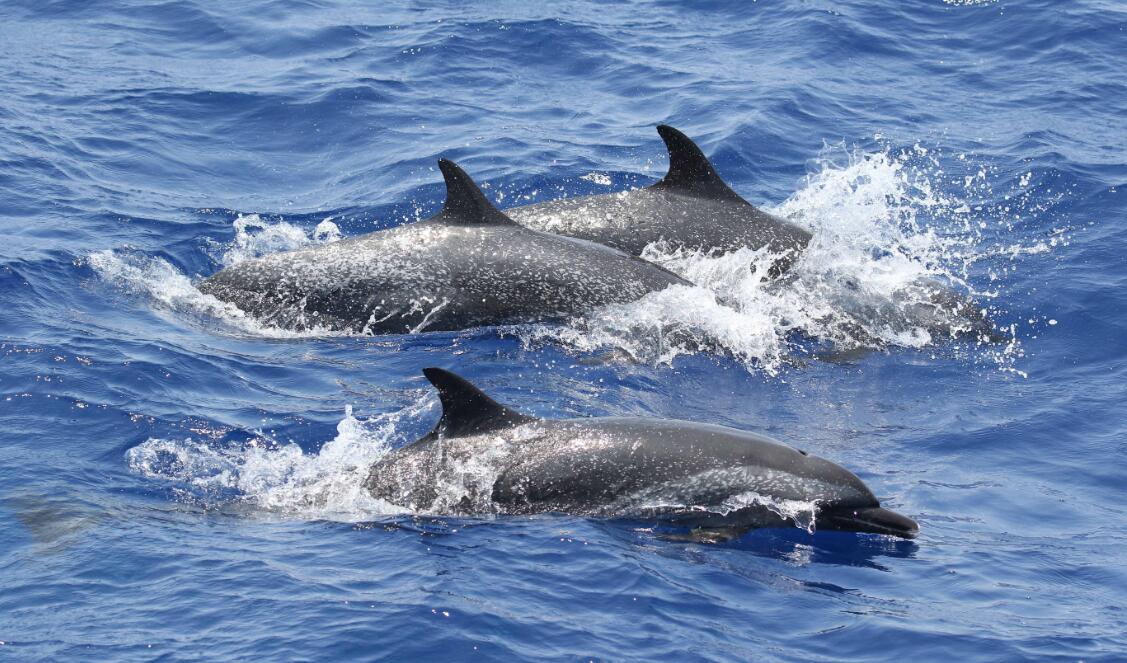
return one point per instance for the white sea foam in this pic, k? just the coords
(256, 237)
(167, 289)
(265, 476)
(280, 478)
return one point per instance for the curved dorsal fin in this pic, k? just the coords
(689, 169)
(465, 203)
(466, 410)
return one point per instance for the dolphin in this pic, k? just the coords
(690, 208)
(467, 266)
(693, 208)
(493, 459)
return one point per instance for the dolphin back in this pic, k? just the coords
(692, 208)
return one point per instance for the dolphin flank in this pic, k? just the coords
(467, 266)
(706, 477)
(691, 208)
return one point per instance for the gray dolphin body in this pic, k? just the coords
(467, 266)
(689, 474)
(691, 207)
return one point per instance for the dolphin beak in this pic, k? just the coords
(874, 520)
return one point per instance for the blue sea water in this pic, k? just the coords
(179, 483)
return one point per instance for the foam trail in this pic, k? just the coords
(168, 289)
(281, 478)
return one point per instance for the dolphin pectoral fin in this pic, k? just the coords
(844, 357)
(466, 410)
(689, 169)
(718, 534)
(713, 535)
(465, 203)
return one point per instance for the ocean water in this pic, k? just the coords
(178, 482)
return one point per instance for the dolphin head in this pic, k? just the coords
(846, 504)
(870, 519)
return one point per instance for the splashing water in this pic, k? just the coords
(680, 499)
(803, 514)
(280, 478)
(168, 289)
(256, 237)
(263, 476)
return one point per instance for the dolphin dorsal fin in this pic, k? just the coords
(465, 203)
(466, 410)
(689, 169)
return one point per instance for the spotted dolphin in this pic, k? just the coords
(689, 474)
(691, 207)
(469, 265)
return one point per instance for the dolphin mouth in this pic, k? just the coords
(873, 520)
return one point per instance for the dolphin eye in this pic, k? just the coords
(803, 452)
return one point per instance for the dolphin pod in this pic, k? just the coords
(467, 266)
(473, 265)
(704, 477)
